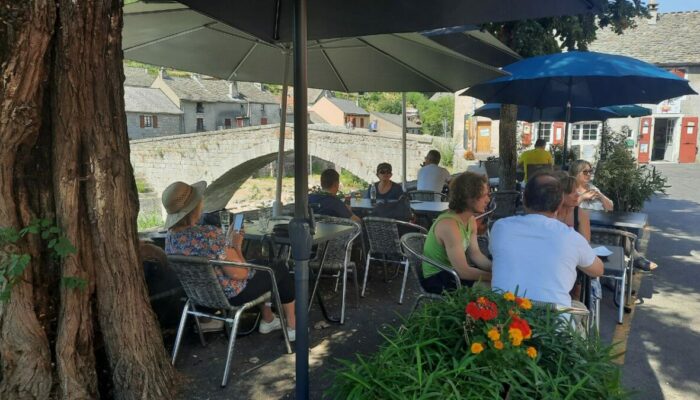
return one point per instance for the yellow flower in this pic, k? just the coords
(516, 336)
(526, 304)
(494, 334)
(532, 352)
(498, 345)
(477, 348)
(509, 296)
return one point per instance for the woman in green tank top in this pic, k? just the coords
(454, 233)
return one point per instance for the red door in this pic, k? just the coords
(558, 132)
(526, 138)
(689, 140)
(646, 127)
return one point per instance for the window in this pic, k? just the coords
(585, 132)
(545, 131)
(263, 121)
(227, 123)
(262, 110)
(147, 121)
(200, 108)
(362, 122)
(200, 124)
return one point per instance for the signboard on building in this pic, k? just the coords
(670, 106)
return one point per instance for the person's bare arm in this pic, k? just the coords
(448, 234)
(584, 224)
(594, 270)
(235, 254)
(607, 203)
(474, 251)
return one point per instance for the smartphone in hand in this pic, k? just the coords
(237, 222)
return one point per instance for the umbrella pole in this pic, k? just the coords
(566, 135)
(299, 231)
(277, 205)
(403, 139)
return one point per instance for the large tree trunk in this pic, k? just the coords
(507, 146)
(65, 155)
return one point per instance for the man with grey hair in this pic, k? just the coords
(536, 253)
(431, 176)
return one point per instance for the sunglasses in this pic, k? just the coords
(587, 172)
(384, 171)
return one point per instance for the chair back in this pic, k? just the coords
(493, 168)
(338, 249)
(413, 249)
(199, 281)
(614, 237)
(426, 195)
(383, 234)
(532, 169)
(506, 203)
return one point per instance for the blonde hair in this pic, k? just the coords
(191, 218)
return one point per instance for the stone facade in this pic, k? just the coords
(168, 124)
(209, 155)
(263, 114)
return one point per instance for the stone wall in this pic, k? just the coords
(168, 124)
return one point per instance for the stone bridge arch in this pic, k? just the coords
(229, 157)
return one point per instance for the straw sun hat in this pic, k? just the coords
(179, 199)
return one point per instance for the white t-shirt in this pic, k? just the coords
(537, 255)
(432, 177)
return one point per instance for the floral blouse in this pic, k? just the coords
(205, 241)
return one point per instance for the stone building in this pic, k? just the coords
(386, 122)
(263, 107)
(150, 113)
(341, 112)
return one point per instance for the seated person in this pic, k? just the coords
(536, 254)
(454, 233)
(431, 176)
(386, 188)
(538, 155)
(327, 201)
(183, 204)
(591, 197)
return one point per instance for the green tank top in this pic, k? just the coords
(433, 249)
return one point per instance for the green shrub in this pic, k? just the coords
(619, 177)
(148, 221)
(350, 182)
(447, 153)
(431, 357)
(142, 186)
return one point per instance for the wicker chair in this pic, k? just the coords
(413, 247)
(384, 241)
(577, 314)
(334, 256)
(203, 290)
(623, 277)
(426, 195)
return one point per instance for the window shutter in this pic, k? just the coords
(155, 121)
(141, 121)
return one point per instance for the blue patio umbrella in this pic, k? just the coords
(548, 114)
(630, 110)
(581, 79)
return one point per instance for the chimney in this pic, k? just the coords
(162, 74)
(653, 7)
(232, 92)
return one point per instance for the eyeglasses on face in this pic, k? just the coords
(587, 172)
(384, 171)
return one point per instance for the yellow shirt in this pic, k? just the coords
(535, 156)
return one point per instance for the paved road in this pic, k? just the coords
(663, 350)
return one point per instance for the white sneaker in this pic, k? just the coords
(291, 334)
(267, 327)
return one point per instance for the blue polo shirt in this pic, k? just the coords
(328, 204)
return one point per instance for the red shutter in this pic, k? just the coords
(689, 140)
(141, 120)
(558, 132)
(263, 121)
(646, 127)
(526, 137)
(678, 72)
(227, 122)
(155, 121)
(362, 122)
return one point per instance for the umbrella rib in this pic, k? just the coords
(243, 60)
(171, 36)
(333, 68)
(408, 67)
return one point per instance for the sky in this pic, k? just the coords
(678, 5)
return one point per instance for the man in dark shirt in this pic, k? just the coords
(327, 203)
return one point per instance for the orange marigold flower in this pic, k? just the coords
(477, 348)
(522, 325)
(525, 304)
(532, 352)
(509, 296)
(516, 337)
(494, 334)
(498, 345)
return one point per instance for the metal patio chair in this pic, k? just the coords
(622, 276)
(426, 195)
(335, 256)
(203, 290)
(580, 315)
(385, 242)
(413, 247)
(506, 203)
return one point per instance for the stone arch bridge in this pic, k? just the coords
(226, 158)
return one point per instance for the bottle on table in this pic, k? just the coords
(373, 193)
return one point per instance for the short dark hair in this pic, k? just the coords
(433, 157)
(540, 143)
(465, 189)
(329, 178)
(385, 166)
(543, 193)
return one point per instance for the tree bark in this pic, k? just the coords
(65, 155)
(507, 146)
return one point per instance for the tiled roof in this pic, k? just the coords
(147, 100)
(201, 89)
(347, 106)
(673, 40)
(137, 77)
(251, 93)
(394, 119)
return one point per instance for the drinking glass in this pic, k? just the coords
(264, 220)
(225, 218)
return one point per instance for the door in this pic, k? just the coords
(645, 129)
(483, 139)
(558, 132)
(689, 140)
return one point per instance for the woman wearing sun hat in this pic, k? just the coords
(183, 204)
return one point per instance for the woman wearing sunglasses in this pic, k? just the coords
(386, 188)
(590, 196)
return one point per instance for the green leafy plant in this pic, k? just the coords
(148, 221)
(142, 186)
(628, 184)
(435, 355)
(13, 263)
(446, 149)
(557, 151)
